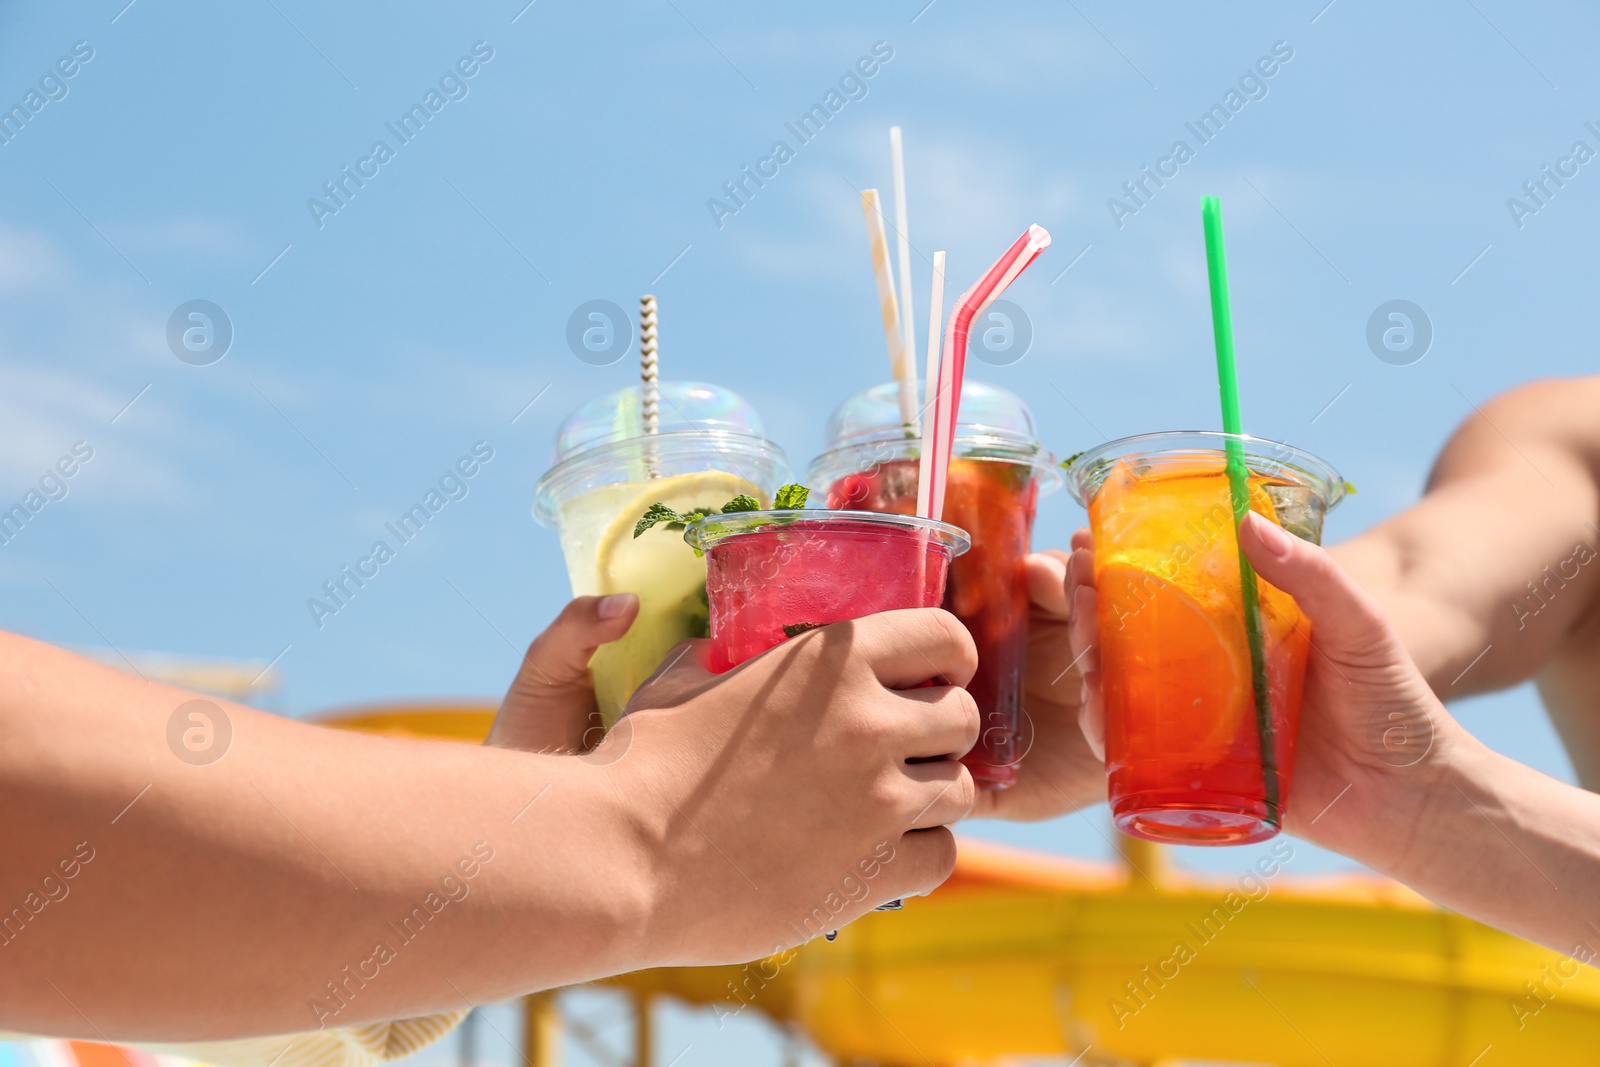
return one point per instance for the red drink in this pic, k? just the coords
(993, 500)
(773, 575)
(998, 471)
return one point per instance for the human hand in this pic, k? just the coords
(1375, 742)
(1057, 773)
(550, 706)
(794, 793)
(1373, 737)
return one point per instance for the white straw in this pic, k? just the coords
(902, 363)
(930, 392)
(903, 248)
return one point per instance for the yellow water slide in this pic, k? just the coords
(1023, 954)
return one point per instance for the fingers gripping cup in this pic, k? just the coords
(997, 472)
(1190, 757)
(773, 575)
(710, 448)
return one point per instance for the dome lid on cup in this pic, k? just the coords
(993, 424)
(987, 411)
(684, 407)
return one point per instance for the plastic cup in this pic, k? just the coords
(997, 472)
(773, 575)
(1184, 750)
(711, 447)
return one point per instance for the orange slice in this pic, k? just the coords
(1175, 656)
(1176, 667)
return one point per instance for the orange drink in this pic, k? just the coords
(1193, 754)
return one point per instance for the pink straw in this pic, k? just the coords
(939, 431)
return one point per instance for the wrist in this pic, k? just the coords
(630, 878)
(571, 877)
(1501, 843)
(1455, 826)
(1410, 825)
(1382, 804)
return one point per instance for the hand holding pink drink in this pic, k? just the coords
(772, 576)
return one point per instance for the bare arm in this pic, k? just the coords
(1494, 561)
(238, 890)
(314, 878)
(1468, 827)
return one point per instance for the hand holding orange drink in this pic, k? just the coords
(1188, 759)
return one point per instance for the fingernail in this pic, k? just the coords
(615, 604)
(1274, 538)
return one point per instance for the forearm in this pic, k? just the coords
(1504, 844)
(223, 899)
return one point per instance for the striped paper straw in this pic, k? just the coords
(649, 366)
(900, 361)
(649, 379)
(953, 365)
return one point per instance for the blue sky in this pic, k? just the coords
(372, 350)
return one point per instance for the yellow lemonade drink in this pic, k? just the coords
(710, 448)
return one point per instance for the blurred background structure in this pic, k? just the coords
(368, 317)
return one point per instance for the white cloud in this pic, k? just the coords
(44, 410)
(963, 193)
(1024, 58)
(188, 236)
(29, 260)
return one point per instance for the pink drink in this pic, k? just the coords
(773, 575)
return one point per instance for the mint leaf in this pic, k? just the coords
(657, 512)
(791, 497)
(1068, 461)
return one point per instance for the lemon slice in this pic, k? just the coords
(623, 562)
(666, 574)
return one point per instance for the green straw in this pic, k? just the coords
(1239, 486)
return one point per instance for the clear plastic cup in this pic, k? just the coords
(711, 447)
(1185, 757)
(773, 575)
(997, 472)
